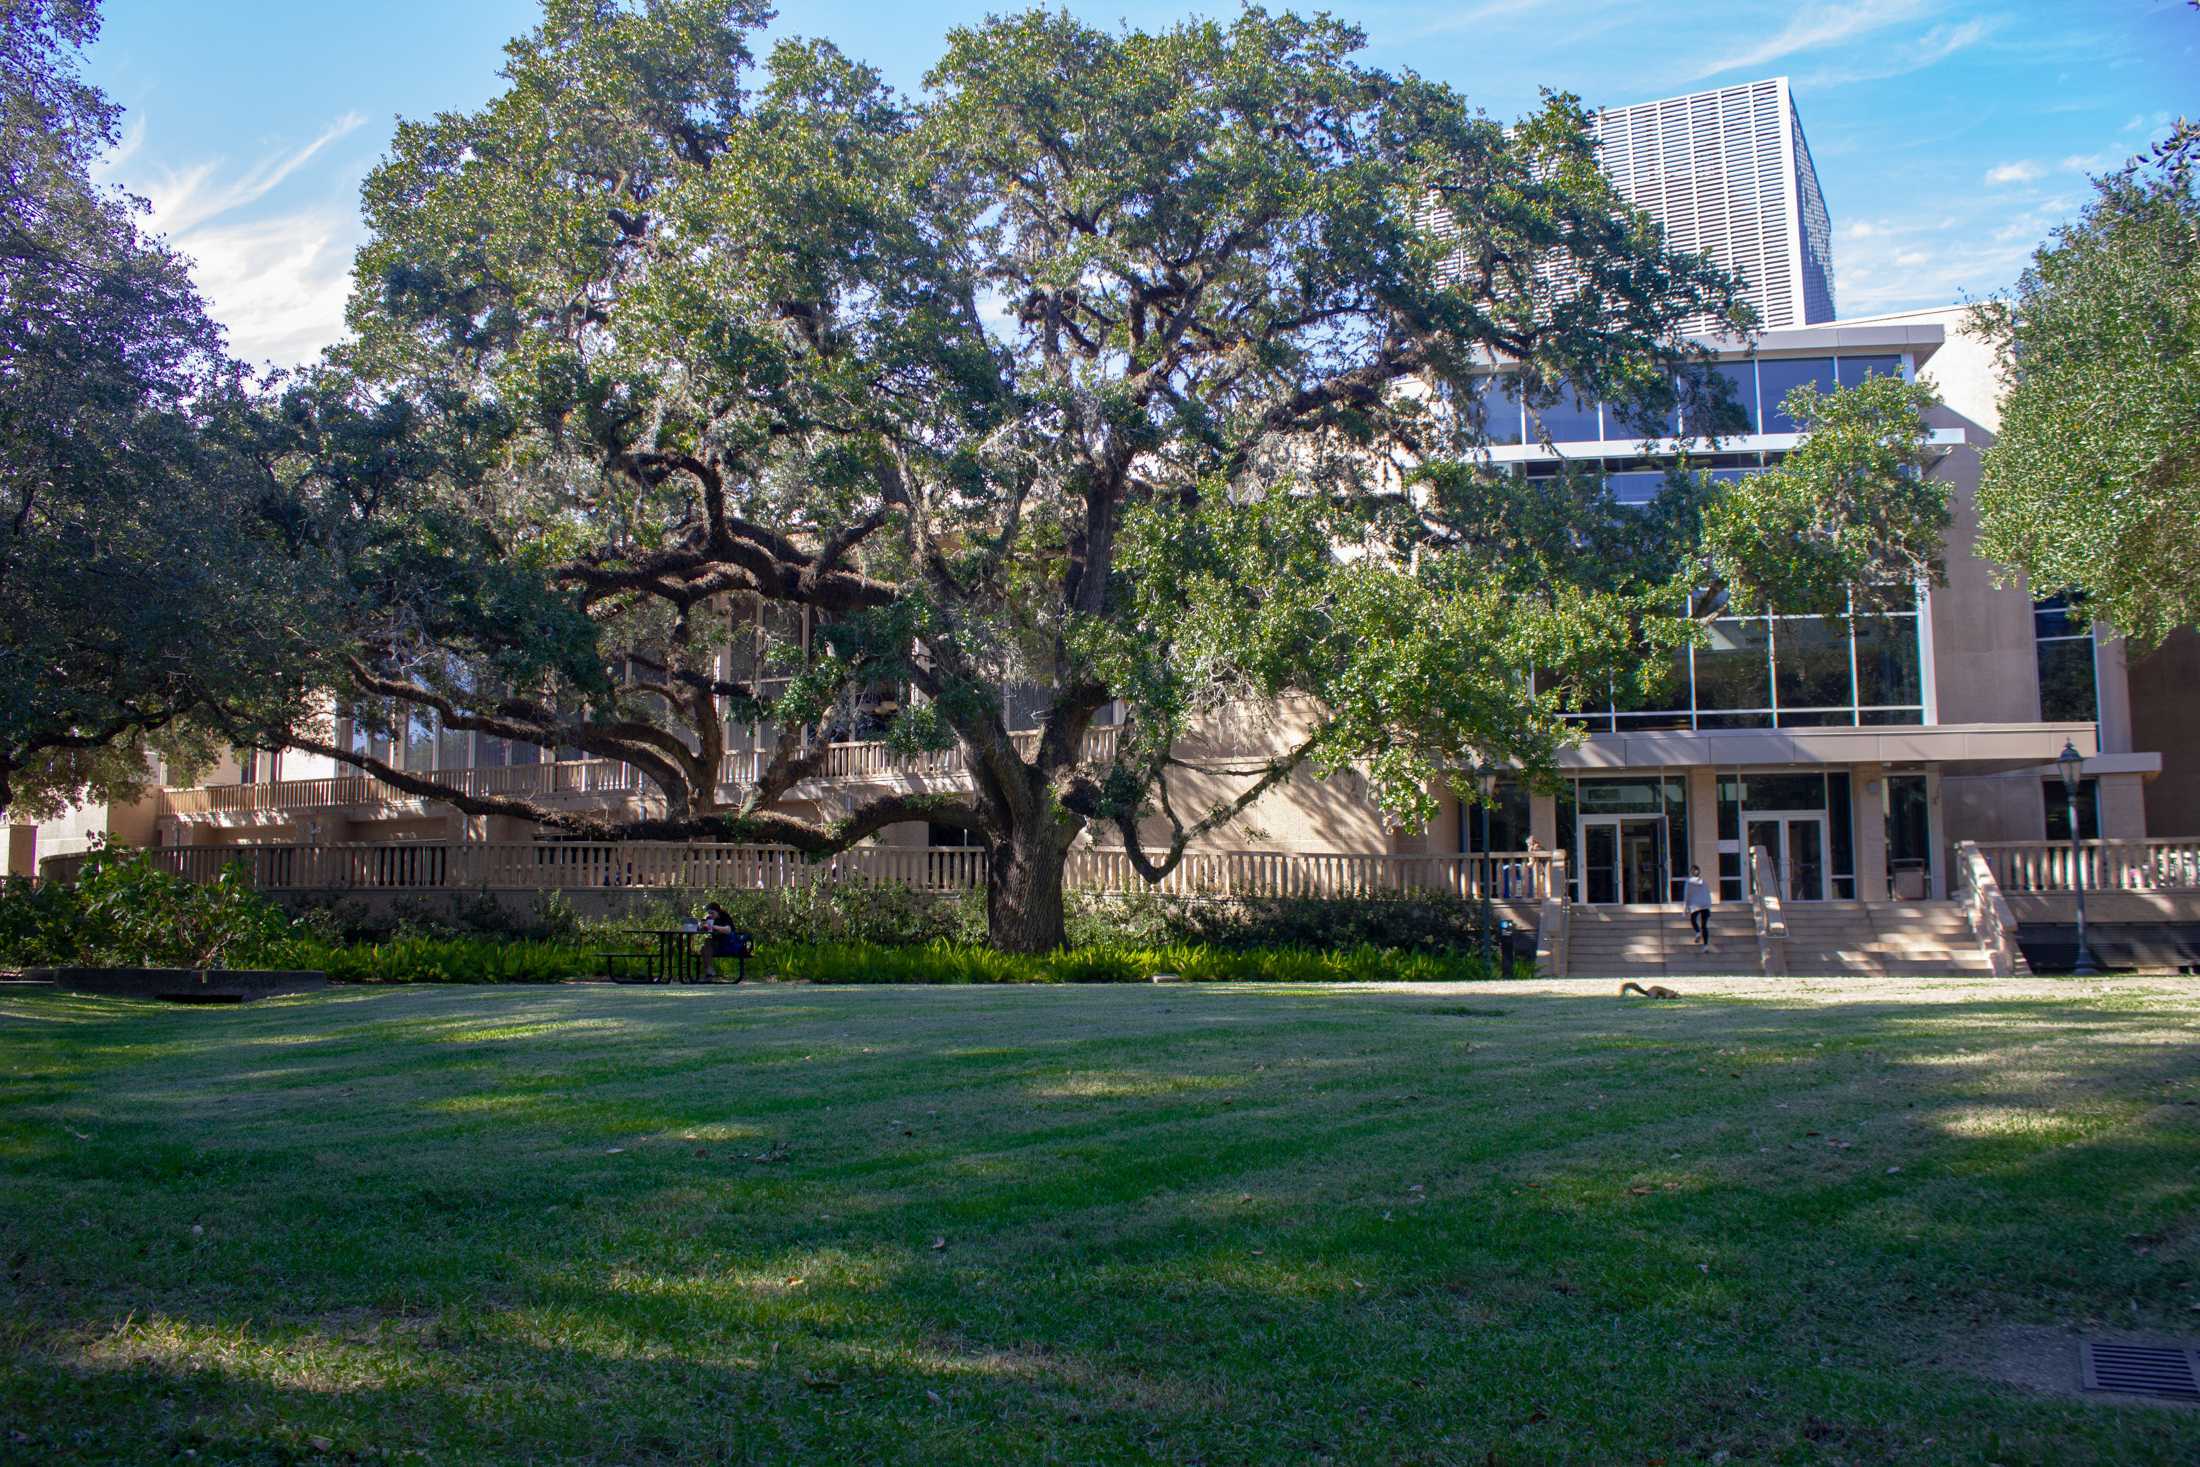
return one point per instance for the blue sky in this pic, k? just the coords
(1950, 135)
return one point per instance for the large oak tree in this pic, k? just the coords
(1126, 370)
(2093, 485)
(141, 585)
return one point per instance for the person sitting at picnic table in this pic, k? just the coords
(718, 939)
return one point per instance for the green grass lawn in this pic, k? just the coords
(1189, 1225)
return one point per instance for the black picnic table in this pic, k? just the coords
(675, 959)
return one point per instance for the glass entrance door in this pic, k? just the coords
(1623, 859)
(1642, 861)
(1797, 845)
(1600, 862)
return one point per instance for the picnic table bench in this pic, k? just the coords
(674, 959)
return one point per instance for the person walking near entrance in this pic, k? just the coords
(1696, 902)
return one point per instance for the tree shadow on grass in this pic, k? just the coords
(1375, 1232)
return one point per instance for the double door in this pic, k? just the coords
(1797, 845)
(1623, 859)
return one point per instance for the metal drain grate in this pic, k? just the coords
(2141, 1370)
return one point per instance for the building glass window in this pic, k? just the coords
(1500, 824)
(2068, 689)
(1852, 370)
(1781, 672)
(454, 749)
(1778, 376)
(1811, 654)
(420, 738)
(1734, 668)
(1720, 401)
(1635, 486)
(1888, 674)
(1568, 420)
(366, 732)
(2058, 809)
(1497, 396)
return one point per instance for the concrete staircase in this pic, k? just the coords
(1824, 938)
(1898, 939)
(1656, 942)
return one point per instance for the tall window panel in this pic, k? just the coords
(2068, 692)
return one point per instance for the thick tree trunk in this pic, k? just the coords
(1023, 893)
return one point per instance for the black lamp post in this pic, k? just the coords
(2070, 762)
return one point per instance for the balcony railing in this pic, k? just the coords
(1524, 876)
(852, 762)
(2105, 865)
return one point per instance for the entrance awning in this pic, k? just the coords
(1980, 748)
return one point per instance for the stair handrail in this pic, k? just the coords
(1992, 922)
(1764, 907)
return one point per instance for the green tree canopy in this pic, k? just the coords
(2093, 485)
(1121, 369)
(138, 582)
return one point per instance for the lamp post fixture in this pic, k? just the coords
(2070, 763)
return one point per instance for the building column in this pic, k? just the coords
(1868, 816)
(2111, 691)
(1703, 822)
(22, 850)
(2120, 801)
(1543, 820)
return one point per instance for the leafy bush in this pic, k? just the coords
(422, 959)
(943, 962)
(892, 915)
(1412, 921)
(125, 910)
(418, 958)
(549, 917)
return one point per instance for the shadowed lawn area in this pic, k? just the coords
(1195, 1224)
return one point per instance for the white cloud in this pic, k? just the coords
(182, 200)
(1475, 15)
(2092, 162)
(277, 284)
(118, 157)
(1812, 27)
(1906, 265)
(1934, 47)
(277, 281)
(2023, 170)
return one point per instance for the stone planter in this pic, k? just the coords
(184, 985)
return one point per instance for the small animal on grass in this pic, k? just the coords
(1655, 990)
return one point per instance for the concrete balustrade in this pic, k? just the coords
(1529, 878)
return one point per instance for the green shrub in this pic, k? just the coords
(125, 910)
(421, 958)
(1414, 921)
(892, 915)
(945, 962)
(427, 959)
